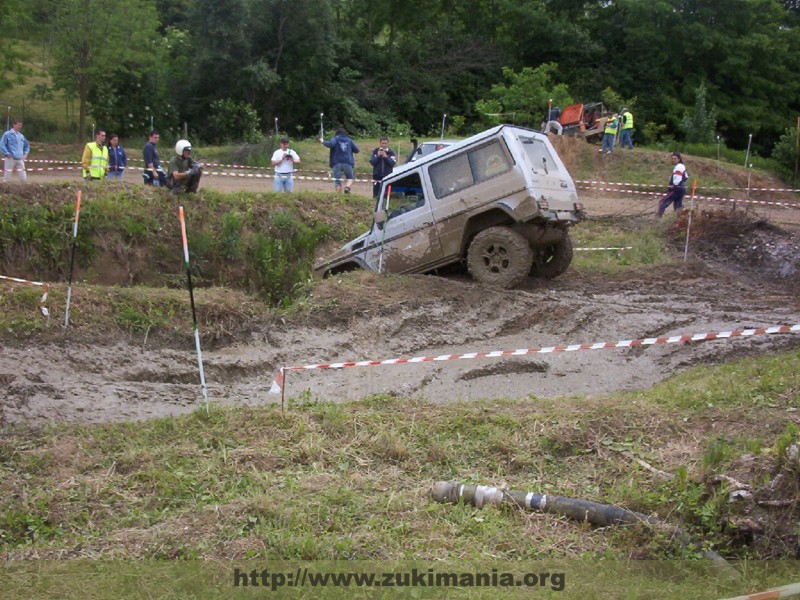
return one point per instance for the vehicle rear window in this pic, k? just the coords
(468, 168)
(539, 155)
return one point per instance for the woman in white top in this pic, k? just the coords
(677, 185)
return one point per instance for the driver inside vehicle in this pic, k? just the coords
(403, 202)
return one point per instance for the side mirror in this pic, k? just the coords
(379, 217)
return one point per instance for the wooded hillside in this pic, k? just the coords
(230, 69)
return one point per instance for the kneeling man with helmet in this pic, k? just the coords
(184, 172)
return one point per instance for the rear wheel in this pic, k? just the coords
(553, 260)
(499, 257)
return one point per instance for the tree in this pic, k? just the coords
(93, 39)
(528, 93)
(700, 125)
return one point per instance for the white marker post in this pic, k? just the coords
(194, 313)
(72, 257)
(689, 224)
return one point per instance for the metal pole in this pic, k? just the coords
(276, 125)
(321, 127)
(8, 121)
(385, 223)
(689, 224)
(194, 313)
(747, 156)
(717, 148)
(796, 151)
(444, 118)
(72, 257)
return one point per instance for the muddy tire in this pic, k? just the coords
(499, 257)
(551, 261)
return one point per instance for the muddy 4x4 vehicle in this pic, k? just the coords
(501, 200)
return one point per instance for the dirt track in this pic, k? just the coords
(371, 317)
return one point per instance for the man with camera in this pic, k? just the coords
(383, 161)
(184, 172)
(283, 160)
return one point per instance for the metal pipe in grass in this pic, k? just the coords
(72, 257)
(596, 513)
(194, 312)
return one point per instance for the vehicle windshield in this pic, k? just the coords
(539, 155)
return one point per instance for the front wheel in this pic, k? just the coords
(499, 257)
(553, 260)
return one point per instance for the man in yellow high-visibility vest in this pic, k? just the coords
(95, 158)
(609, 134)
(627, 128)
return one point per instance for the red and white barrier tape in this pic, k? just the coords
(706, 198)
(609, 248)
(784, 591)
(658, 185)
(585, 184)
(277, 382)
(42, 307)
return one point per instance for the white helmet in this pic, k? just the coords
(181, 146)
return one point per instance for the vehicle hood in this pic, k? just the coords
(343, 252)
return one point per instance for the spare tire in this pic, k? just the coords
(553, 260)
(499, 256)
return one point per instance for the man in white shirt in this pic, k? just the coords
(283, 160)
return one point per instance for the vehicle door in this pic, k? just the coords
(407, 241)
(549, 178)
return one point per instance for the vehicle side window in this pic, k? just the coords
(468, 168)
(488, 161)
(406, 195)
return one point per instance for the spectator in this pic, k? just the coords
(383, 160)
(677, 185)
(609, 133)
(117, 159)
(183, 172)
(551, 122)
(153, 173)
(283, 160)
(627, 128)
(95, 158)
(15, 150)
(342, 160)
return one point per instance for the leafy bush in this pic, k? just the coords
(232, 120)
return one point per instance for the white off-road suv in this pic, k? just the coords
(501, 200)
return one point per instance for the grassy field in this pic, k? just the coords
(332, 482)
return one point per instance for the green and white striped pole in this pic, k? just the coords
(194, 313)
(72, 257)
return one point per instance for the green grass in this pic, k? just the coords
(646, 246)
(350, 481)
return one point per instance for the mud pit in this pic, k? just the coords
(372, 317)
(750, 282)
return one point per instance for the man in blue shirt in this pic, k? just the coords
(153, 173)
(342, 160)
(15, 149)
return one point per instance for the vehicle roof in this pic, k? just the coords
(456, 145)
(434, 142)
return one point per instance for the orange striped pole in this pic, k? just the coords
(194, 313)
(72, 257)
